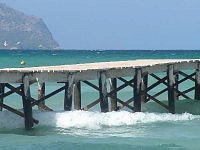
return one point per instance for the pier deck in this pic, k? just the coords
(90, 71)
(72, 75)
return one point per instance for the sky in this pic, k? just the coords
(118, 24)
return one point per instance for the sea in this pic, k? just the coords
(152, 129)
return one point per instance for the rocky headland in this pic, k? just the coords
(21, 31)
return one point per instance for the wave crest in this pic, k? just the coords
(92, 120)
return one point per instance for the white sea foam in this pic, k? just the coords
(92, 120)
(82, 119)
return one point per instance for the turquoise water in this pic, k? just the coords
(152, 129)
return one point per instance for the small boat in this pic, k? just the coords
(22, 62)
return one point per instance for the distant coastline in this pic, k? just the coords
(60, 49)
(21, 31)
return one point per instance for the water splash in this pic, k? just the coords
(96, 120)
(92, 120)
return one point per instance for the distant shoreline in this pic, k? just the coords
(99, 49)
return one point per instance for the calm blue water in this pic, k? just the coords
(152, 129)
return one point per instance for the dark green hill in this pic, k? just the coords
(20, 31)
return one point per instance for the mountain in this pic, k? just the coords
(21, 31)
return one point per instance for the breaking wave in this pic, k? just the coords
(92, 120)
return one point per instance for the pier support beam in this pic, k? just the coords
(176, 74)
(137, 90)
(2, 91)
(197, 84)
(113, 97)
(171, 90)
(77, 95)
(103, 93)
(41, 93)
(144, 87)
(28, 117)
(68, 94)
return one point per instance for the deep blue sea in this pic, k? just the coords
(153, 129)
